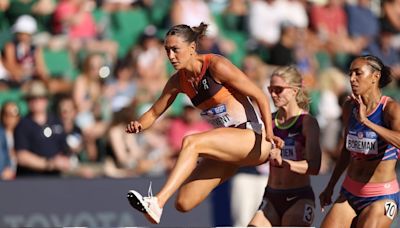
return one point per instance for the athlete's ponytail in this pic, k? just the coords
(189, 34)
(200, 30)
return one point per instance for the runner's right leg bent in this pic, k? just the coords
(232, 145)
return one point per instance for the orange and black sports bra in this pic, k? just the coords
(203, 91)
(211, 97)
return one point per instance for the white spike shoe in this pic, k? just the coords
(147, 205)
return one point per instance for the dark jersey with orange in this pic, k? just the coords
(222, 106)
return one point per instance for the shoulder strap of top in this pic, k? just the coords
(207, 61)
(384, 101)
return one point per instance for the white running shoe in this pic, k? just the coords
(147, 205)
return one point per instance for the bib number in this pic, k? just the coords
(308, 215)
(361, 144)
(218, 116)
(390, 209)
(289, 152)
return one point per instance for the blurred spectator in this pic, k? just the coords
(333, 85)
(121, 89)
(235, 15)
(259, 73)
(155, 142)
(382, 48)
(147, 55)
(10, 116)
(212, 43)
(150, 65)
(67, 112)
(266, 14)
(283, 53)
(329, 20)
(88, 97)
(3, 75)
(41, 10)
(307, 48)
(6, 170)
(391, 19)
(363, 25)
(296, 13)
(39, 138)
(22, 59)
(256, 70)
(74, 18)
(129, 158)
(190, 12)
(190, 122)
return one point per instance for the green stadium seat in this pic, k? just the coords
(159, 12)
(126, 27)
(59, 64)
(238, 37)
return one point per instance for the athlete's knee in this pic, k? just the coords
(188, 143)
(184, 204)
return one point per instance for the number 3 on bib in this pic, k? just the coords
(308, 215)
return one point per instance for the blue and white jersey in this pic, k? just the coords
(364, 143)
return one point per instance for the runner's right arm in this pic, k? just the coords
(167, 97)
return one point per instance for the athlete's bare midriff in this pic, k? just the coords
(372, 171)
(282, 178)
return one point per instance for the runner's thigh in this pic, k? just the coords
(378, 214)
(300, 214)
(239, 146)
(340, 215)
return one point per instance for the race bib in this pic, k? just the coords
(218, 116)
(289, 152)
(362, 142)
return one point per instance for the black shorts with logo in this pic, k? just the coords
(283, 199)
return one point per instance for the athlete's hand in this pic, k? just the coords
(325, 198)
(275, 157)
(362, 109)
(276, 141)
(133, 127)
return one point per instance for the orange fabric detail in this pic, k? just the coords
(187, 86)
(217, 99)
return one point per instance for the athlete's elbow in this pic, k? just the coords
(313, 170)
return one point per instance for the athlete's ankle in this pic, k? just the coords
(161, 200)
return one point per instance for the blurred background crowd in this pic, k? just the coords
(74, 72)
